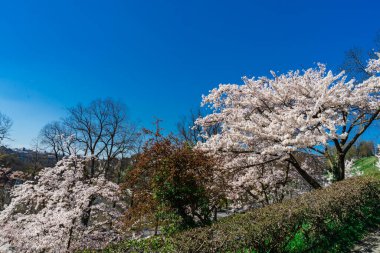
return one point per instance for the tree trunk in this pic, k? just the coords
(71, 234)
(92, 174)
(56, 156)
(156, 227)
(215, 214)
(310, 180)
(340, 167)
(87, 212)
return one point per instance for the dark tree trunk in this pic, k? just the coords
(92, 174)
(215, 214)
(70, 234)
(56, 156)
(87, 213)
(156, 227)
(340, 167)
(309, 179)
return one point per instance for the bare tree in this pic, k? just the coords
(355, 61)
(5, 126)
(101, 130)
(54, 138)
(120, 136)
(88, 124)
(36, 160)
(191, 133)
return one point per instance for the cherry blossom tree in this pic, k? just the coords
(271, 182)
(374, 65)
(51, 215)
(267, 121)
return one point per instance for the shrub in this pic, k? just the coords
(172, 187)
(324, 220)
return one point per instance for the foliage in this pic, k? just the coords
(10, 161)
(360, 150)
(62, 211)
(326, 220)
(172, 185)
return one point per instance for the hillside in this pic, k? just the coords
(367, 165)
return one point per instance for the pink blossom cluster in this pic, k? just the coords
(47, 215)
(266, 120)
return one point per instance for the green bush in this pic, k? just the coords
(326, 220)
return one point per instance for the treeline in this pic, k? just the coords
(362, 149)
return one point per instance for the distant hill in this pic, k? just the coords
(19, 165)
(27, 156)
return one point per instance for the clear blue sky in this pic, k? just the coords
(159, 57)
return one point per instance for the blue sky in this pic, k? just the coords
(159, 57)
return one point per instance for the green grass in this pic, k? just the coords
(368, 166)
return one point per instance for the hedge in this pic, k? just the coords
(325, 220)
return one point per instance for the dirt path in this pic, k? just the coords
(371, 243)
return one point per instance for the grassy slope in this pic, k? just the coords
(368, 166)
